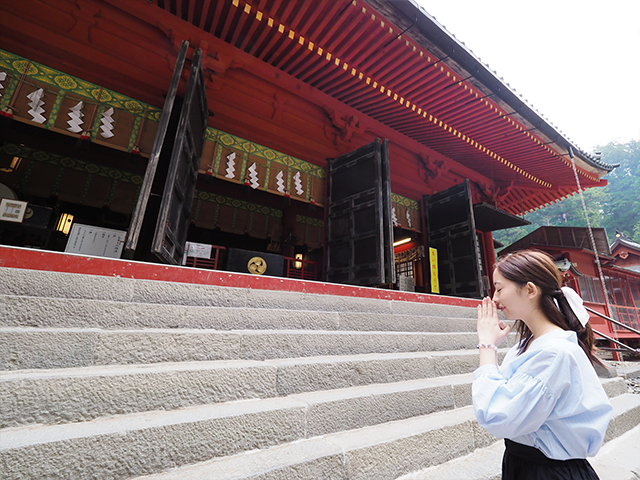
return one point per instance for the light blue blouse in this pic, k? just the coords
(549, 397)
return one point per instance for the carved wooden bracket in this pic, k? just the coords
(340, 128)
(86, 17)
(486, 192)
(279, 106)
(214, 64)
(429, 168)
(500, 196)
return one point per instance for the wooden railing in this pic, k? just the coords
(301, 269)
(207, 263)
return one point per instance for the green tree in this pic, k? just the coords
(615, 206)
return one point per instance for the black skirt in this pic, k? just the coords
(521, 462)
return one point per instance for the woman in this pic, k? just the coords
(545, 400)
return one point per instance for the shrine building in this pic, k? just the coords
(349, 141)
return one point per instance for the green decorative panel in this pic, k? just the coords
(237, 143)
(238, 204)
(60, 81)
(71, 163)
(405, 202)
(314, 222)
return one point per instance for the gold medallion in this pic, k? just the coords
(257, 266)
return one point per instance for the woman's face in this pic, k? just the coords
(509, 297)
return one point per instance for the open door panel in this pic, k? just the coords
(359, 230)
(177, 200)
(450, 229)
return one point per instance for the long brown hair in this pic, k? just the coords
(538, 268)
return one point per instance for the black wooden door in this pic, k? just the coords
(146, 209)
(175, 209)
(359, 229)
(450, 229)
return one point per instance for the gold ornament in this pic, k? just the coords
(257, 266)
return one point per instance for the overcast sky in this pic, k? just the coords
(576, 62)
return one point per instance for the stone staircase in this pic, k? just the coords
(114, 378)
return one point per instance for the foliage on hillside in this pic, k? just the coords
(614, 207)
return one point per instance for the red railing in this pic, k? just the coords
(208, 263)
(301, 269)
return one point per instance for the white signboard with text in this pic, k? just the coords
(95, 241)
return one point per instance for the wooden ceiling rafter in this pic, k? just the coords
(495, 141)
(348, 81)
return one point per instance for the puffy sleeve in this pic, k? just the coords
(518, 405)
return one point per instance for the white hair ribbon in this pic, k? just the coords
(575, 302)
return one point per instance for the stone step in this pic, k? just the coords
(24, 348)
(80, 394)
(619, 459)
(138, 444)
(486, 463)
(29, 311)
(346, 409)
(482, 464)
(441, 446)
(58, 285)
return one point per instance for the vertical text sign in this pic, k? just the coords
(433, 262)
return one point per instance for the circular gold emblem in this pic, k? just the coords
(257, 266)
(28, 213)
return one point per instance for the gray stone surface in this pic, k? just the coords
(71, 395)
(614, 386)
(106, 377)
(482, 464)
(405, 323)
(60, 395)
(627, 369)
(379, 452)
(626, 415)
(75, 395)
(29, 311)
(606, 370)
(390, 450)
(121, 447)
(313, 459)
(29, 347)
(325, 373)
(356, 407)
(22, 282)
(433, 309)
(619, 459)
